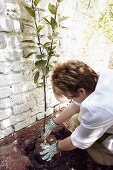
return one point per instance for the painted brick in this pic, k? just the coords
(4, 68)
(12, 40)
(10, 79)
(39, 96)
(10, 55)
(15, 78)
(39, 108)
(2, 7)
(9, 25)
(24, 65)
(31, 95)
(24, 107)
(3, 43)
(6, 132)
(23, 87)
(25, 123)
(5, 113)
(15, 119)
(12, 101)
(5, 123)
(12, 9)
(18, 99)
(15, 67)
(27, 76)
(5, 103)
(31, 120)
(51, 100)
(5, 92)
(33, 113)
(12, 1)
(41, 114)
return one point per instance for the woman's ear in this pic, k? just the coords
(81, 91)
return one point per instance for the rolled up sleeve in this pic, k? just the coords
(83, 138)
(92, 127)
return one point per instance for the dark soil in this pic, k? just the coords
(72, 160)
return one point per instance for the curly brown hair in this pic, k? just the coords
(69, 76)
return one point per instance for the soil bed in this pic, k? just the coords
(72, 160)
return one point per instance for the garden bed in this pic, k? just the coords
(72, 160)
(23, 153)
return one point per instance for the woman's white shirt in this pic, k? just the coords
(96, 113)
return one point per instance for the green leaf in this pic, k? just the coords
(29, 25)
(53, 47)
(41, 85)
(28, 55)
(36, 2)
(52, 8)
(110, 4)
(34, 69)
(36, 76)
(59, 1)
(55, 34)
(45, 70)
(47, 44)
(40, 64)
(39, 28)
(50, 37)
(51, 53)
(28, 41)
(47, 21)
(57, 55)
(30, 11)
(55, 62)
(39, 44)
(40, 56)
(53, 23)
(63, 18)
(50, 66)
(28, 47)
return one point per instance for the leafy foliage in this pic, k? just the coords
(45, 55)
(36, 2)
(30, 11)
(52, 8)
(105, 22)
(46, 50)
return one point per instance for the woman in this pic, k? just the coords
(92, 97)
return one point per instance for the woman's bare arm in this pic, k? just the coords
(67, 113)
(66, 144)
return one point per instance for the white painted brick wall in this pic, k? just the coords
(10, 79)
(5, 113)
(14, 119)
(25, 123)
(10, 55)
(5, 92)
(9, 25)
(21, 103)
(6, 132)
(24, 107)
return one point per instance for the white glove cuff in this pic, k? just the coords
(53, 119)
(58, 149)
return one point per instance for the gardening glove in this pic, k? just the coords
(49, 151)
(49, 127)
